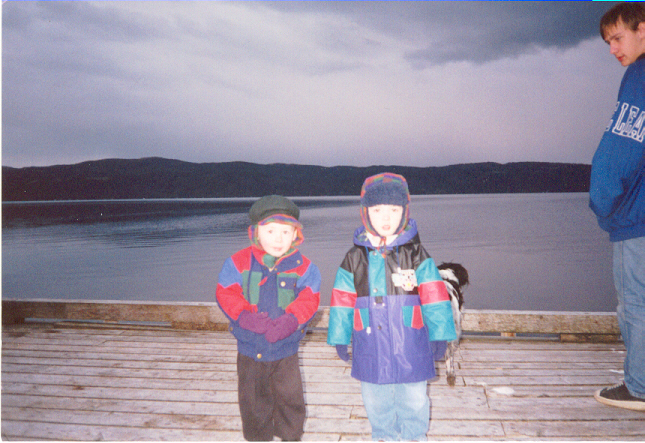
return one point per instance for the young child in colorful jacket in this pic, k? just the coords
(270, 292)
(389, 299)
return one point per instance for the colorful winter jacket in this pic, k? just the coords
(617, 189)
(391, 303)
(291, 285)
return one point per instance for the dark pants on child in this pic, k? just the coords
(271, 398)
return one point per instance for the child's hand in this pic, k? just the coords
(341, 350)
(258, 322)
(438, 349)
(281, 328)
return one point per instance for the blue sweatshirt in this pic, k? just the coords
(617, 188)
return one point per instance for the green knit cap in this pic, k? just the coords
(272, 205)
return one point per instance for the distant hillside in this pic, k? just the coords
(163, 178)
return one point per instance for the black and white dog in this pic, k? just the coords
(455, 277)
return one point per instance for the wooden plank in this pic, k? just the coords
(540, 322)
(26, 430)
(191, 315)
(534, 372)
(124, 419)
(466, 429)
(487, 355)
(51, 366)
(543, 391)
(473, 342)
(576, 430)
(555, 380)
(559, 409)
(208, 316)
(119, 405)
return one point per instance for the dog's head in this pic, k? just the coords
(458, 272)
(456, 278)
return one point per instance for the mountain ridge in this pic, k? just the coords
(157, 177)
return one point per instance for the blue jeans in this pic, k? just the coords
(629, 279)
(399, 411)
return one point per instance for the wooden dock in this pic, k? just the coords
(117, 380)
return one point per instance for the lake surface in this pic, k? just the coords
(523, 251)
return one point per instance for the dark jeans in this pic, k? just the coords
(271, 399)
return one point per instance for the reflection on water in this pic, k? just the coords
(527, 252)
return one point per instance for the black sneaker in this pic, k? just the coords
(620, 397)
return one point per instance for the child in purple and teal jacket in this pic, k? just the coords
(391, 303)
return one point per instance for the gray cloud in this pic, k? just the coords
(470, 31)
(326, 83)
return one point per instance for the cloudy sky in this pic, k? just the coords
(324, 83)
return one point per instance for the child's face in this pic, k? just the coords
(625, 44)
(276, 238)
(385, 218)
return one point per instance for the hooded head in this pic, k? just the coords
(385, 189)
(274, 209)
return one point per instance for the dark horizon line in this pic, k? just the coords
(295, 164)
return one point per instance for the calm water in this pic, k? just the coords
(523, 251)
